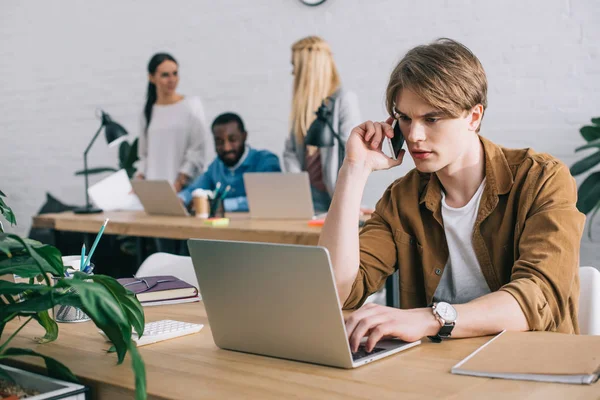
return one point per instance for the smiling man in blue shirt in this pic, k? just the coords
(234, 159)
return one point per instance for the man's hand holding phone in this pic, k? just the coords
(364, 146)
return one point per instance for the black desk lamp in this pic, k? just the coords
(114, 134)
(321, 133)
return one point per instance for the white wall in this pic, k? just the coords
(60, 60)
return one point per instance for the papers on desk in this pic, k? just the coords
(536, 356)
(115, 193)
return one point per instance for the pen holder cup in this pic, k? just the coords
(216, 209)
(68, 313)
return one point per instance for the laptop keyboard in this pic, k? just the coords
(362, 352)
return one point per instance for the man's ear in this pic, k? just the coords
(244, 136)
(475, 116)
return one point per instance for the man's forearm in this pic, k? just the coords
(488, 315)
(340, 232)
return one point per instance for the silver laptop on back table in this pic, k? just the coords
(279, 195)
(158, 197)
(277, 300)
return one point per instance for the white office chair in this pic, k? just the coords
(180, 267)
(589, 301)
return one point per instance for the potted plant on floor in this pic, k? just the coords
(111, 307)
(588, 194)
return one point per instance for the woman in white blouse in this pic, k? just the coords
(172, 139)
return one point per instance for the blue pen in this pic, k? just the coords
(98, 236)
(225, 192)
(82, 261)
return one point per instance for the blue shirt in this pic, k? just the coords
(235, 199)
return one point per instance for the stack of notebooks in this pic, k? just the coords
(160, 290)
(536, 356)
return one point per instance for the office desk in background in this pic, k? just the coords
(193, 367)
(241, 228)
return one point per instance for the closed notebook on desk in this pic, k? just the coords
(158, 288)
(536, 356)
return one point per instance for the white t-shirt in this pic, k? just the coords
(462, 279)
(174, 142)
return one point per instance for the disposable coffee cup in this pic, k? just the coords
(201, 205)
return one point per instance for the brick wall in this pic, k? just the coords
(60, 60)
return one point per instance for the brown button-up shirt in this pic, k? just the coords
(526, 237)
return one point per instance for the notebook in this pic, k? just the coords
(160, 289)
(536, 356)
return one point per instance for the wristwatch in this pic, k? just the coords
(446, 315)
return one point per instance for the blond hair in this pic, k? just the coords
(445, 74)
(315, 78)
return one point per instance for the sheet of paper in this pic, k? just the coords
(115, 193)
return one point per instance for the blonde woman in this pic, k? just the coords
(315, 79)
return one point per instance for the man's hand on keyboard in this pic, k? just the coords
(377, 322)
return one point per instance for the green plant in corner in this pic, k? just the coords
(114, 309)
(588, 195)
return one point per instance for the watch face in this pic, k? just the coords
(446, 311)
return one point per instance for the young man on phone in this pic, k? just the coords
(484, 238)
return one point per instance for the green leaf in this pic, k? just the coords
(140, 372)
(35, 303)
(588, 193)
(2, 193)
(49, 324)
(596, 121)
(7, 213)
(130, 304)
(55, 369)
(593, 143)
(24, 266)
(587, 163)
(133, 154)
(592, 219)
(11, 288)
(124, 149)
(590, 133)
(93, 171)
(100, 305)
(5, 376)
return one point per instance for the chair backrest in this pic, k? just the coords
(169, 264)
(589, 301)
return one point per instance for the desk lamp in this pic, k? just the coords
(115, 134)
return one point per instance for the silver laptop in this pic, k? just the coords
(279, 195)
(277, 300)
(158, 197)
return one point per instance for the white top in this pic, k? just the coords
(175, 141)
(462, 279)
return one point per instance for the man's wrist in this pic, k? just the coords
(433, 324)
(355, 170)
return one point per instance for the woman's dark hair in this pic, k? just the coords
(155, 61)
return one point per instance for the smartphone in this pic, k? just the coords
(397, 141)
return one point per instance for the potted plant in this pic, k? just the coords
(588, 194)
(113, 309)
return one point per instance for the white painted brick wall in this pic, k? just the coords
(60, 60)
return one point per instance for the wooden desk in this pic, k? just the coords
(193, 367)
(241, 228)
(138, 223)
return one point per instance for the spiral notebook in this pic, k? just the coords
(536, 356)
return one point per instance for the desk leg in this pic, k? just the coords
(56, 234)
(140, 250)
(392, 291)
